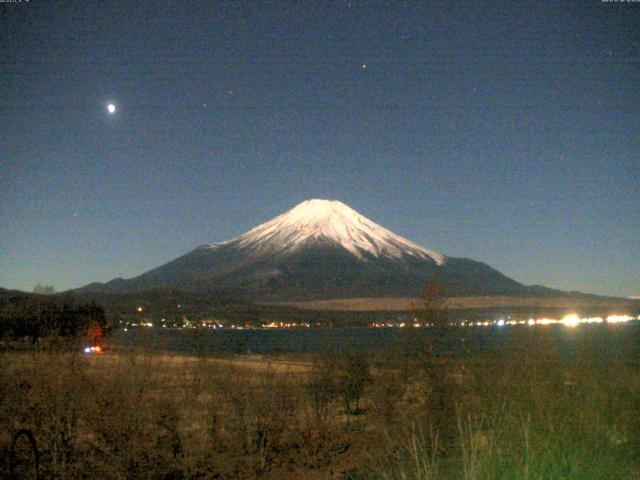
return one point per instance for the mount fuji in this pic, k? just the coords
(320, 249)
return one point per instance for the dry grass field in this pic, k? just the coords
(527, 413)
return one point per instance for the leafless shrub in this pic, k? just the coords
(352, 377)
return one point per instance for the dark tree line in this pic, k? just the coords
(34, 317)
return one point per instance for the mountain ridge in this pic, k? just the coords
(319, 249)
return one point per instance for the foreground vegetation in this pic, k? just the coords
(531, 412)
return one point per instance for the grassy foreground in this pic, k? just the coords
(526, 413)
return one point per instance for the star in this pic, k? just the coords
(111, 108)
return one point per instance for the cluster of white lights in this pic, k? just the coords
(212, 325)
(287, 325)
(571, 320)
(141, 324)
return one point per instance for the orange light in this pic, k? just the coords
(99, 349)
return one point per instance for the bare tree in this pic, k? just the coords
(41, 289)
(352, 376)
(431, 305)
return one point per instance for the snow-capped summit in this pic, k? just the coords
(329, 221)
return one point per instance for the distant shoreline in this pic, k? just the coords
(399, 304)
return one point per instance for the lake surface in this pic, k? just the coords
(599, 338)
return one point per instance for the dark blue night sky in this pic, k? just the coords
(507, 132)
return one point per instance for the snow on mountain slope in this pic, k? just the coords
(331, 221)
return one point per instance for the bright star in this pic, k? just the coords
(111, 108)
